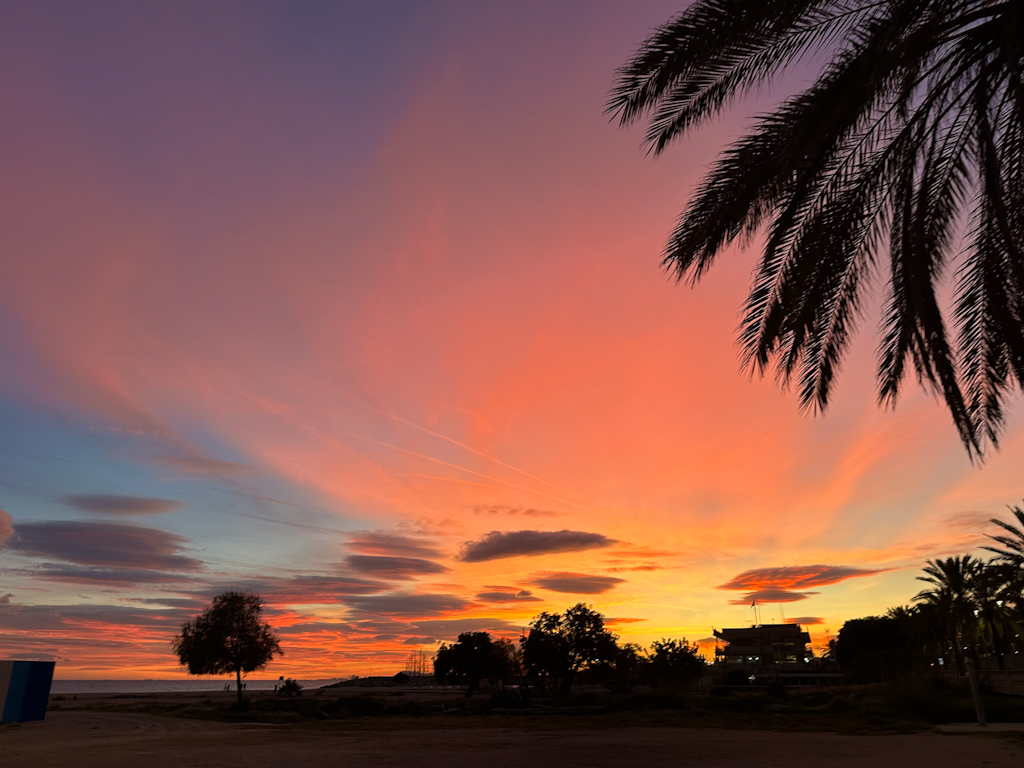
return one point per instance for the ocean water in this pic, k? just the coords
(172, 686)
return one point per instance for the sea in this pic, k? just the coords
(173, 686)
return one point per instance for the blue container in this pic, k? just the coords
(24, 690)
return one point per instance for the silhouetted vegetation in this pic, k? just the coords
(559, 650)
(912, 703)
(912, 134)
(971, 609)
(475, 657)
(560, 645)
(227, 637)
(289, 688)
(674, 663)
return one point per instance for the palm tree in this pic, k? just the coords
(1010, 558)
(829, 652)
(952, 598)
(912, 135)
(1013, 554)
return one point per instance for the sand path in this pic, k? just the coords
(104, 740)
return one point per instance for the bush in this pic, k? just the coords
(935, 701)
(289, 688)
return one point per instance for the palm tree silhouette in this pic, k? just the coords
(1013, 554)
(952, 597)
(912, 135)
(829, 652)
(1010, 561)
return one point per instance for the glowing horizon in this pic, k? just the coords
(362, 309)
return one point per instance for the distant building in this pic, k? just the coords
(763, 646)
(768, 653)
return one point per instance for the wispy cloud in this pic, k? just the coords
(104, 577)
(121, 505)
(410, 606)
(636, 567)
(386, 543)
(494, 510)
(385, 567)
(195, 463)
(307, 589)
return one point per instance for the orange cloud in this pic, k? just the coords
(783, 584)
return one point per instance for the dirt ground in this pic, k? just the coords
(105, 740)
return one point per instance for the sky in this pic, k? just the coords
(360, 306)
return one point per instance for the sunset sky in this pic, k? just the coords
(359, 306)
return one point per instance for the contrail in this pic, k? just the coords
(442, 477)
(456, 466)
(438, 435)
(322, 425)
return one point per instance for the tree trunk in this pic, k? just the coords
(958, 655)
(998, 648)
(567, 681)
(238, 685)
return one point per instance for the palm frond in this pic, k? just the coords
(917, 118)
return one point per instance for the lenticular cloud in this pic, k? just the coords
(788, 583)
(501, 544)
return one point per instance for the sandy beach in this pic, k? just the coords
(86, 737)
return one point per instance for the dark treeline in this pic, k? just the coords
(561, 649)
(971, 609)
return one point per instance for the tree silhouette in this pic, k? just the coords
(912, 134)
(474, 657)
(829, 652)
(227, 637)
(876, 648)
(558, 646)
(675, 662)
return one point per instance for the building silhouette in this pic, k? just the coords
(767, 653)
